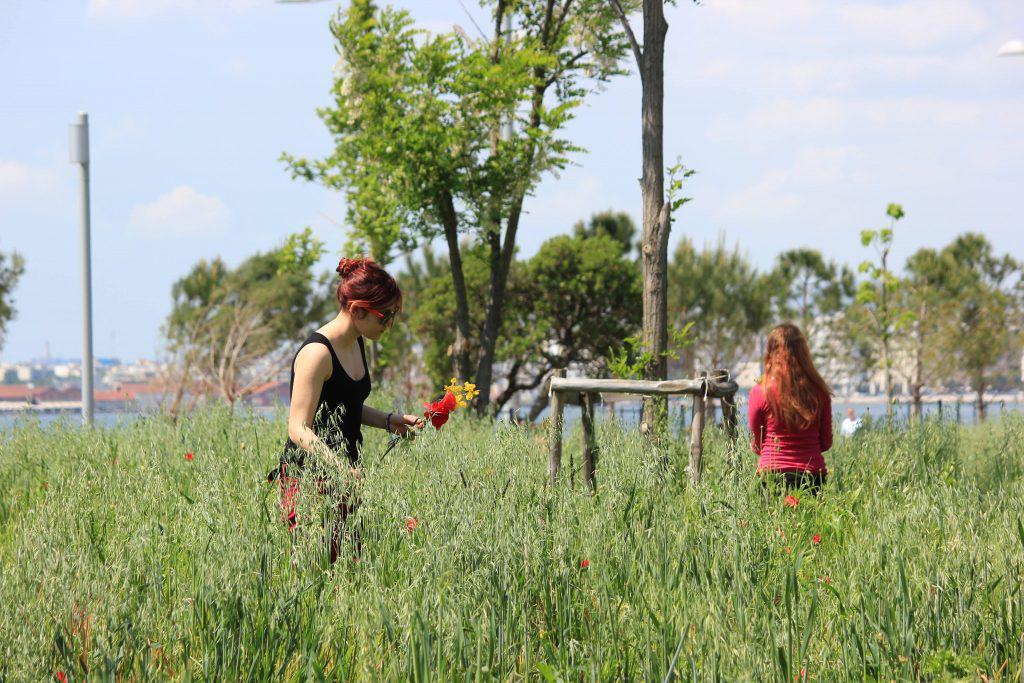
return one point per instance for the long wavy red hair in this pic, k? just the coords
(792, 386)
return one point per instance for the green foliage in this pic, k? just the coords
(810, 288)
(12, 267)
(415, 116)
(300, 253)
(183, 569)
(234, 327)
(728, 301)
(615, 224)
(575, 298)
(876, 297)
(983, 307)
(631, 359)
(677, 174)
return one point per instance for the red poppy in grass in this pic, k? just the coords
(584, 564)
(438, 412)
(411, 523)
(816, 539)
(61, 677)
(791, 501)
(189, 456)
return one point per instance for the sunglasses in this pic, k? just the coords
(387, 317)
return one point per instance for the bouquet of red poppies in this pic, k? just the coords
(456, 396)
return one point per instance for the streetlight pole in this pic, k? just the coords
(80, 156)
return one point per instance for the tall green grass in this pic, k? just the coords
(120, 559)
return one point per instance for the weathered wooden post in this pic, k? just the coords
(589, 439)
(728, 402)
(697, 433)
(555, 435)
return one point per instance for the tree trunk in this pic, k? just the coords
(502, 254)
(886, 335)
(656, 219)
(537, 408)
(460, 349)
(500, 265)
(979, 401)
(887, 377)
(917, 386)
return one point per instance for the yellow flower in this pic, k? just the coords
(462, 403)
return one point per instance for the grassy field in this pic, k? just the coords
(122, 559)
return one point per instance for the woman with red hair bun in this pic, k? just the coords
(330, 382)
(790, 412)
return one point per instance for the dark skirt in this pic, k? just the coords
(789, 481)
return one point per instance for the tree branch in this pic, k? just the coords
(566, 67)
(637, 52)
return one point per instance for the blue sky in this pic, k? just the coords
(803, 118)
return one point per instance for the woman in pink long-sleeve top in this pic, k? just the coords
(790, 412)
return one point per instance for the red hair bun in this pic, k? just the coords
(364, 284)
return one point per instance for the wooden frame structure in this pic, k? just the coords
(583, 391)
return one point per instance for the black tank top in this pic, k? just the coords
(339, 411)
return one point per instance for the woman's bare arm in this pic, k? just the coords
(312, 369)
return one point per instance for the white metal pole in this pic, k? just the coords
(80, 156)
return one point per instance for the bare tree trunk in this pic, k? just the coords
(917, 385)
(501, 264)
(886, 336)
(888, 376)
(538, 407)
(460, 349)
(656, 219)
(979, 401)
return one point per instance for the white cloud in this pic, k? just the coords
(182, 211)
(764, 16)
(783, 192)
(145, 9)
(795, 119)
(22, 182)
(917, 23)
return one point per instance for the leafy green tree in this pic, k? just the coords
(12, 267)
(724, 297)
(419, 145)
(231, 330)
(577, 299)
(811, 289)
(569, 304)
(877, 296)
(615, 224)
(983, 325)
(923, 300)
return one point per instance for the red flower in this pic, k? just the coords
(816, 539)
(189, 456)
(438, 412)
(411, 523)
(61, 677)
(584, 564)
(791, 501)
